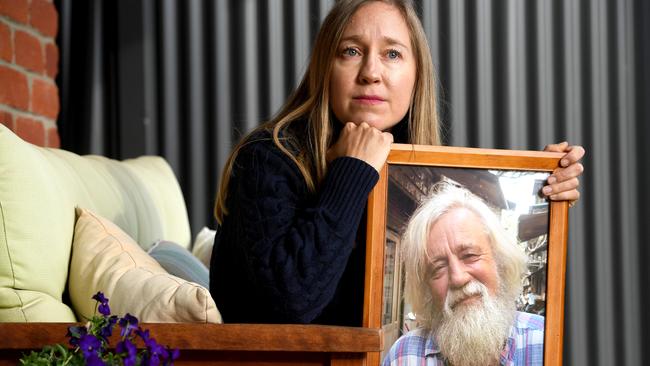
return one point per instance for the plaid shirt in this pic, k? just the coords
(524, 347)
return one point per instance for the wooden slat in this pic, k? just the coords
(467, 157)
(221, 337)
(557, 248)
(375, 239)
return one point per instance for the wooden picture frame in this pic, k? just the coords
(469, 164)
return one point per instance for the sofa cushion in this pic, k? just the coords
(106, 259)
(203, 243)
(180, 262)
(39, 189)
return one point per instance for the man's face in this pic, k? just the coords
(460, 251)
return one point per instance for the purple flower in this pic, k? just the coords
(94, 360)
(103, 304)
(128, 323)
(157, 353)
(131, 351)
(107, 330)
(89, 345)
(104, 309)
(99, 297)
(75, 333)
(144, 334)
(172, 355)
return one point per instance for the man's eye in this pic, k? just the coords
(470, 257)
(436, 272)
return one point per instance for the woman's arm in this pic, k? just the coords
(296, 244)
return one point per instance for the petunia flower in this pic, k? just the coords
(75, 333)
(127, 347)
(107, 330)
(89, 345)
(91, 342)
(103, 308)
(94, 360)
(128, 323)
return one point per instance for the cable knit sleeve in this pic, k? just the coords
(297, 244)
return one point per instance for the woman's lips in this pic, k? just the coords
(369, 99)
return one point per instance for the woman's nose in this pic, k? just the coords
(370, 71)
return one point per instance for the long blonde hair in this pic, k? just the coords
(309, 103)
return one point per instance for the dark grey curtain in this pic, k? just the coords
(184, 79)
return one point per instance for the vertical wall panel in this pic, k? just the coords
(602, 245)
(626, 116)
(300, 37)
(516, 74)
(544, 131)
(485, 70)
(169, 96)
(195, 116)
(577, 331)
(458, 79)
(276, 56)
(149, 56)
(221, 103)
(98, 107)
(250, 58)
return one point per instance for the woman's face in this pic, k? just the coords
(373, 75)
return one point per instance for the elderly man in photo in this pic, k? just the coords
(463, 275)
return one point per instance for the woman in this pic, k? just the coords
(290, 248)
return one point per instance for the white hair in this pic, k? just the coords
(511, 260)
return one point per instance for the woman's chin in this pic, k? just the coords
(375, 122)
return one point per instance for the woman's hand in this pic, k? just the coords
(563, 183)
(362, 142)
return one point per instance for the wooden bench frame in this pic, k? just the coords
(222, 344)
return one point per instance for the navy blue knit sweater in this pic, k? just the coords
(285, 255)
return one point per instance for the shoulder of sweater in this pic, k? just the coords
(260, 151)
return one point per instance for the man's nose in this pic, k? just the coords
(370, 70)
(458, 275)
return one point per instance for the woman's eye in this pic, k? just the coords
(393, 54)
(350, 52)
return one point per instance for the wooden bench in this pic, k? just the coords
(244, 344)
(222, 344)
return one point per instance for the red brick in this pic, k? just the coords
(7, 119)
(29, 53)
(53, 138)
(6, 46)
(14, 91)
(45, 98)
(17, 10)
(51, 60)
(44, 17)
(30, 130)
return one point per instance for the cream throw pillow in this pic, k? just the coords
(105, 259)
(202, 247)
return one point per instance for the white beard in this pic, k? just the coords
(473, 334)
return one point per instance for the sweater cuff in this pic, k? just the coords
(346, 187)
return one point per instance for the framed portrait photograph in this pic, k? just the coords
(508, 223)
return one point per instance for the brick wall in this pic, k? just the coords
(29, 58)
